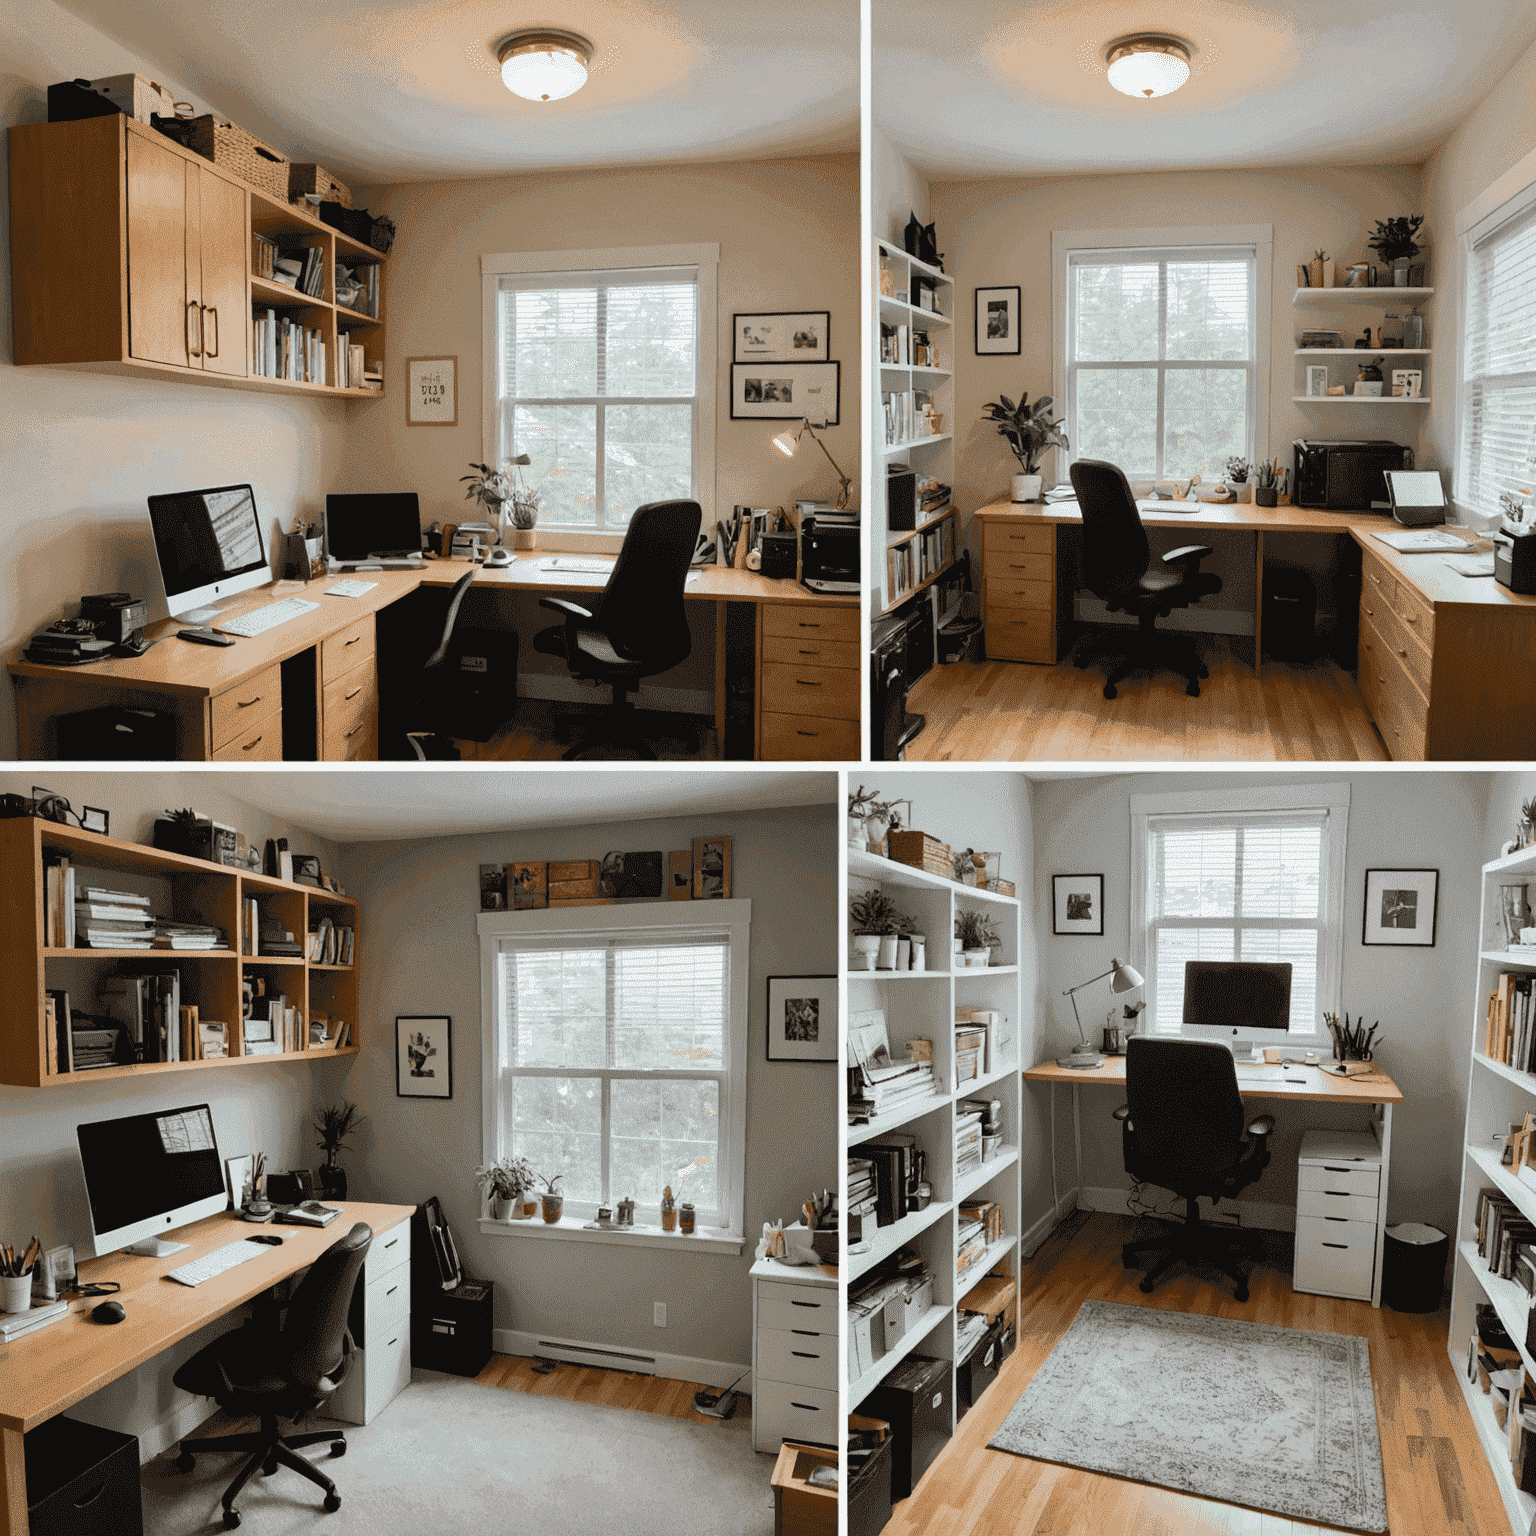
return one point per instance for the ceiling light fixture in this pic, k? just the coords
(544, 65)
(1147, 64)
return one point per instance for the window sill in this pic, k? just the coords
(574, 1229)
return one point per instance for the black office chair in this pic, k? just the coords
(282, 1374)
(428, 696)
(1184, 1129)
(637, 627)
(1116, 561)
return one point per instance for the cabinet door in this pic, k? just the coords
(225, 308)
(163, 322)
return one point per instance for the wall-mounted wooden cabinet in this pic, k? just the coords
(131, 254)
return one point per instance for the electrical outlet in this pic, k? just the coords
(659, 1313)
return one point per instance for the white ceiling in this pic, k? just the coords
(383, 91)
(384, 805)
(1018, 87)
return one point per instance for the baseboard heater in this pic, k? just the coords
(592, 1354)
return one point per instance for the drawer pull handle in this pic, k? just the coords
(355, 729)
(353, 640)
(1335, 1245)
(805, 1333)
(807, 733)
(354, 693)
(808, 1407)
(1335, 1218)
(1338, 1194)
(394, 1340)
(1370, 613)
(801, 1354)
(1402, 652)
(391, 1291)
(251, 744)
(246, 703)
(815, 1306)
(810, 653)
(806, 624)
(806, 684)
(1410, 618)
(391, 1243)
(1329, 1168)
(93, 1495)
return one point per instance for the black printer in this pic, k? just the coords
(829, 556)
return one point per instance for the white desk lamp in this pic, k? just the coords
(787, 442)
(1123, 978)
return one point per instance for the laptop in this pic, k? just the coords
(374, 529)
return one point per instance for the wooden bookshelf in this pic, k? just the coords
(180, 887)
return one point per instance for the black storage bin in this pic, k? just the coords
(116, 735)
(356, 223)
(1289, 613)
(479, 683)
(1413, 1267)
(82, 1481)
(914, 1400)
(71, 100)
(978, 1370)
(451, 1330)
(869, 1493)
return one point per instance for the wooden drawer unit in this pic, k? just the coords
(1032, 596)
(346, 649)
(1019, 589)
(798, 620)
(233, 715)
(812, 738)
(1335, 1258)
(832, 692)
(798, 651)
(1412, 656)
(1018, 538)
(350, 715)
(1002, 565)
(1018, 635)
(260, 742)
(1400, 711)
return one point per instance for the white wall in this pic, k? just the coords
(898, 189)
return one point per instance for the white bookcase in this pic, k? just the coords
(921, 1004)
(1347, 305)
(1497, 1096)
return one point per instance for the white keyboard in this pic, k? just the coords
(259, 620)
(581, 563)
(239, 1252)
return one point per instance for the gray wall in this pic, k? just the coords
(419, 905)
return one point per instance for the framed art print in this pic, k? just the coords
(1401, 906)
(791, 337)
(423, 1057)
(802, 1018)
(997, 322)
(769, 391)
(431, 391)
(1317, 379)
(711, 868)
(1078, 902)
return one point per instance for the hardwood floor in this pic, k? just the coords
(542, 730)
(1436, 1478)
(608, 1389)
(1005, 711)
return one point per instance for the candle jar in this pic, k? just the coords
(685, 1217)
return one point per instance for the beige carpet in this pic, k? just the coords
(1276, 1419)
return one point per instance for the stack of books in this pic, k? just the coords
(861, 1196)
(1504, 1236)
(113, 920)
(967, 1139)
(970, 1052)
(1511, 1036)
(349, 362)
(177, 935)
(899, 1166)
(148, 1008)
(274, 939)
(876, 1090)
(281, 348)
(15, 1325)
(90, 1047)
(981, 1223)
(58, 902)
(932, 499)
(263, 257)
(330, 943)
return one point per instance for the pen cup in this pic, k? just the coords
(15, 1293)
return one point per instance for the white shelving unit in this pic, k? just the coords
(1382, 300)
(922, 1005)
(931, 455)
(1497, 1096)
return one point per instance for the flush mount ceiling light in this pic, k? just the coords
(1147, 64)
(544, 65)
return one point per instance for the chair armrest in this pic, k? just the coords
(1123, 1113)
(1194, 553)
(1263, 1126)
(566, 606)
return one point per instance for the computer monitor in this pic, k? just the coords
(361, 524)
(1238, 1002)
(208, 544)
(147, 1174)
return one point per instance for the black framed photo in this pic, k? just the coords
(802, 1018)
(1078, 904)
(306, 870)
(783, 336)
(768, 391)
(1401, 907)
(423, 1056)
(94, 819)
(997, 322)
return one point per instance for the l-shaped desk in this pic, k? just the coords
(1447, 662)
(228, 702)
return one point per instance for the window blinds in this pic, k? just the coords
(1498, 420)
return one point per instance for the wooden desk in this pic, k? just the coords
(54, 1368)
(1376, 1092)
(1447, 662)
(228, 702)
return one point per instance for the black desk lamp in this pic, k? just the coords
(787, 442)
(1123, 979)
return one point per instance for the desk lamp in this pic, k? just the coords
(787, 442)
(1123, 979)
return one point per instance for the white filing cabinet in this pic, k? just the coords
(795, 1321)
(1338, 1208)
(381, 1365)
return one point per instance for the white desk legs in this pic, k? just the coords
(13, 1484)
(1383, 1129)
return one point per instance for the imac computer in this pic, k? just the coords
(209, 545)
(373, 526)
(1242, 1003)
(148, 1174)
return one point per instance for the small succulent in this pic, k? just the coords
(1393, 239)
(875, 913)
(1237, 470)
(976, 930)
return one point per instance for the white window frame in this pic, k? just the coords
(1332, 798)
(1066, 243)
(665, 922)
(705, 258)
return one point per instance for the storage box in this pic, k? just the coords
(798, 1508)
(82, 1481)
(573, 869)
(136, 97)
(869, 1492)
(914, 1401)
(916, 1301)
(978, 1370)
(451, 1330)
(893, 1319)
(242, 154)
(921, 852)
(313, 179)
(567, 890)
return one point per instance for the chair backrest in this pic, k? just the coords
(455, 598)
(317, 1316)
(641, 610)
(1115, 548)
(1185, 1107)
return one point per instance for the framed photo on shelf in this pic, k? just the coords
(1317, 380)
(94, 819)
(801, 336)
(241, 1173)
(1078, 904)
(711, 868)
(769, 391)
(997, 322)
(1401, 906)
(431, 392)
(802, 1018)
(423, 1057)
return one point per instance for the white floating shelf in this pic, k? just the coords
(917, 442)
(1378, 296)
(1361, 351)
(1360, 399)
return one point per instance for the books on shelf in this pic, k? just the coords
(263, 256)
(282, 348)
(915, 560)
(330, 943)
(1511, 1034)
(59, 902)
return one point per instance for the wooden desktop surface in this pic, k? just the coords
(1319, 1087)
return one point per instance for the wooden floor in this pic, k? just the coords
(1438, 1483)
(1005, 711)
(541, 731)
(607, 1389)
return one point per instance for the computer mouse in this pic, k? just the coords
(498, 557)
(108, 1312)
(266, 1237)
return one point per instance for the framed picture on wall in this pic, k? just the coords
(767, 391)
(423, 1057)
(1078, 902)
(801, 336)
(711, 868)
(431, 391)
(1401, 906)
(997, 322)
(802, 1018)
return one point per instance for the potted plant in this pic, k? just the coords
(334, 1123)
(507, 1181)
(490, 487)
(976, 934)
(859, 808)
(1237, 477)
(552, 1201)
(525, 505)
(1319, 267)
(1265, 491)
(176, 832)
(1527, 828)
(874, 918)
(1393, 241)
(1029, 433)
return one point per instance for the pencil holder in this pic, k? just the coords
(15, 1293)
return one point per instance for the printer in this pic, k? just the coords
(829, 556)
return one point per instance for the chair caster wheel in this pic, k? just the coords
(1205, 671)
(1145, 1287)
(1110, 691)
(231, 1519)
(184, 1462)
(1241, 1293)
(338, 1447)
(1193, 690)
(268, 1467)
(332, 1503)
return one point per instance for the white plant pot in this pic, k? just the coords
(875, 828)
(856, 832)
(903, 954)
(866, 947)
(919, 952)
(958, 947)
(1027, 487)
(500, 1208)
(887, 960)
(977, 957)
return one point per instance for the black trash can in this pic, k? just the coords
(1290, 613)
(1413, 1267)
(117, 735)
(82, 1481)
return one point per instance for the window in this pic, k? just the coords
(1162, 357)
(1498, 399)
(603, 375)
(1239, 879)
(618, 1055)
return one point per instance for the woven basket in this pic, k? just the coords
(315, 178)
(233, 149)
(921, 852)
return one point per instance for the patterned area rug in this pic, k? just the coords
(1277, 1419)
